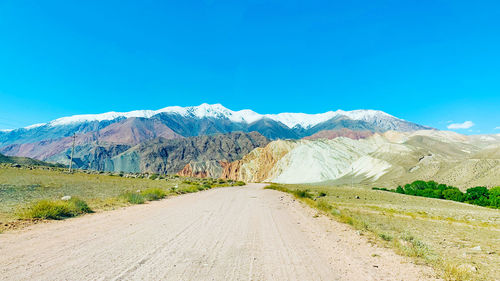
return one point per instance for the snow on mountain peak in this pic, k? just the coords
(34, 126)
(219, 111)
(301, 119)
(101, 117)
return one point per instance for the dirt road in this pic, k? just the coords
(236, 233)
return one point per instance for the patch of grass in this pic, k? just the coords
(439, 233)
(302, 193)
(152, 194)
(55, 209)
(20, 187)
(134, 198)
(323, 205)
(187, 189)
(277, 187)
(412, 247)
(204, 187)
(385, 237)
(453, 272)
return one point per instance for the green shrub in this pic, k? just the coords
(277, 187)
(153, 176)
(453, 194)
(151, 194)
(385, 237)
(204, 187)
(134, 197)
(495, 197)
(477, 195)
(79, 206)
(400, 190)
(55, 209)
(323, 205)
(383, 189)
(187, 189)
(303, 193)
(413, 247)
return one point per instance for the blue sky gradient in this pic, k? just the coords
(430, 62)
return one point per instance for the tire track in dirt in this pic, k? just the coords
(234, 233)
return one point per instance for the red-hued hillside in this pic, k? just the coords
(131, 131)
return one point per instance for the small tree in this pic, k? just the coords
(399, 189)
(495, 197)
(478, 195)
(453, 194)
(477, 192)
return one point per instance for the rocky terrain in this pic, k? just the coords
(389, 158)
(344, 132)
(171, 156)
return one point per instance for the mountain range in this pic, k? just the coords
(211, 140)
(208, 119)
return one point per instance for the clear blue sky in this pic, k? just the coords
(431, 62)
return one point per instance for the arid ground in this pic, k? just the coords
(232, 233)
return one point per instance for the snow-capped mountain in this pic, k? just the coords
(218, 111)
(103, 137)
(205, 119)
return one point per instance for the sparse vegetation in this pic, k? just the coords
(55, 209)
(441, 233)
(34, 192)
(134, 198)
(302, 193)
(152, 194)
(385, 237)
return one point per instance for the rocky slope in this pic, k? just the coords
(170, 156)
(127, 132)
(344, 132)
(390, 159)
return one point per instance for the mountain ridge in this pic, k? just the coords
(205, 110)
(106, 141)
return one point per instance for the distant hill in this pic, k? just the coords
(25, 161)
(387, 159)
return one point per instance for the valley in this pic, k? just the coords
(142, 163)
(366, 147)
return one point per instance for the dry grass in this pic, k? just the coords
(22, 187)
(440, 233)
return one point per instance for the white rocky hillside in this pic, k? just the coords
(391, 158)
